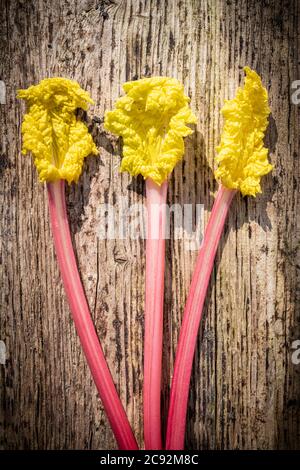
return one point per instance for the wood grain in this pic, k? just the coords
(245, 388)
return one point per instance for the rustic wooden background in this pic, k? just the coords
(245, 388)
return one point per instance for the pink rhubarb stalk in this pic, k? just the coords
(191, 320)
(155, 267)
(152, 120)
(242, 161)
(82, 318)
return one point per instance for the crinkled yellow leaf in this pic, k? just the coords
(242, 157)
(152, 119)
(58, 141)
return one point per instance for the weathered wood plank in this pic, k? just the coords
(245, 389)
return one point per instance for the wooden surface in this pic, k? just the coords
(245, 388)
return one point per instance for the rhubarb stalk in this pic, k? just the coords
(59, 143)
(82, 318)
(243, 160)
(191, 320)
(152, 119)
(155, 268)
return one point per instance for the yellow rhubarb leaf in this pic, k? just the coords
(151, 118)
(242, 157)
(58, 141)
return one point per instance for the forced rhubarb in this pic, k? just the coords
(59, 143)
(152, 119)
(242, 160)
